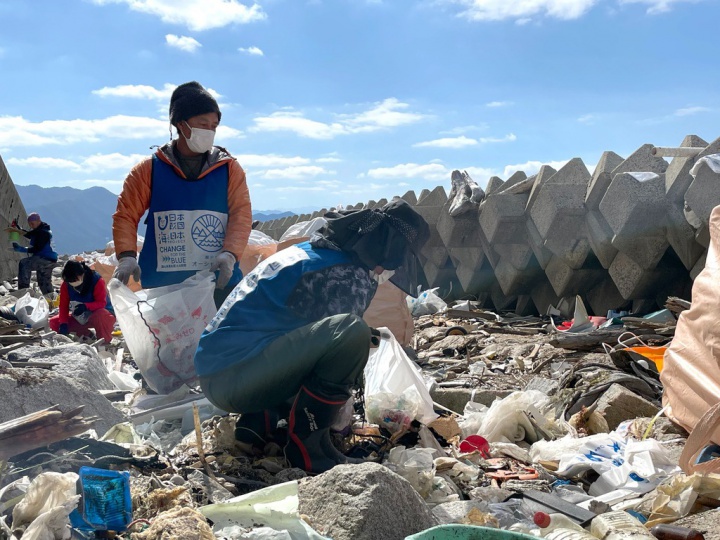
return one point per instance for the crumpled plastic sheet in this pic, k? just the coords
(676, 498)
(45, 508)
(637, 466)
(276, 507)
(415, 465)
(712, 161)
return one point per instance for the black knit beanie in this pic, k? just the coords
(190, 99)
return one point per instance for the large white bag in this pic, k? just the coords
(32, 311)
(395, 393)
(691, 366)
(162, 327)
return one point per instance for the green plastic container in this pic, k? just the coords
(468, 532)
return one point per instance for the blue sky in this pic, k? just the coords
(330, 102)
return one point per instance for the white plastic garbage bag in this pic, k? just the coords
(162, 327)
(426, 303)
(304, 228)
(637, 466)
(49, 500)
(395, 392)
(521, 416)
(32, 311)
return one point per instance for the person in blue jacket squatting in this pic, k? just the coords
(291, 331)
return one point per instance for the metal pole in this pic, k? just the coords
(682, 151)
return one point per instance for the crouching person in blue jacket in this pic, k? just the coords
(292, 330)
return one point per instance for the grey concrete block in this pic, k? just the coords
(703, 195)
(699, 265)
(455, 399)
(502, 218)
(543, 296)
(461, 230)
(494, 185)
(618, 404)
(436, 197)
(558, 213)
(516, 280)
(568, 281)
(600, 236)
(516, 178)
(601, 178)
(410, 198)
(642, 160)
(544, 174)
(603, 297)
(634, 281)
(635, 208)
(535, 241)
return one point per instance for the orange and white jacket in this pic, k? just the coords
(134, 200)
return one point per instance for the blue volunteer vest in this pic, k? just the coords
(186, 225)
(255, 313)
(47, 252)
(76, 296)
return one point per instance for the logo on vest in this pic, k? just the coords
(208, 233)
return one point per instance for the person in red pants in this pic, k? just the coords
(84, 303)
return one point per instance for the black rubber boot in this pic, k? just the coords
(309, 446)
(256, 428)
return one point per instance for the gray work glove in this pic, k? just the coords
(224, 264)
(127, 266)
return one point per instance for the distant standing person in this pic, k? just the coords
(84, 303)
(42, 257)
(196, 195)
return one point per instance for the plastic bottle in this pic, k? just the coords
(673, 532)
(618, 525)
(552, 522)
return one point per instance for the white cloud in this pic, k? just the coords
(296, 172)
(195, 14)
(532, 167)
(388, 113)
(463, 129)
(658, 6)
(142, 91)
(498, 104)
(98, 162)
(15, 131)
(428, 171)
(184, 43)
(137, 91)
(298, 124)
(524, 21)
(588, 119)
(689, 111)
(463, 142)
(270, 160)
(448, 142)
(497, 10)
(510, 137)
(436, 172)
(43, 163)
(384, 115)
(328, 160)
(252, 51)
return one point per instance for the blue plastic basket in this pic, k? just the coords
(105, 504)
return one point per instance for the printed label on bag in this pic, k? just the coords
(188, 239)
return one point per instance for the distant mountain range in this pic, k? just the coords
(81, 219)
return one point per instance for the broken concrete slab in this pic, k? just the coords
(618, 404)
(26, 391)
(363, 502)
(75, 361)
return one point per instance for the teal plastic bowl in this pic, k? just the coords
(468, 532)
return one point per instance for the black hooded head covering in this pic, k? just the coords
(390, 237)
(191, 99)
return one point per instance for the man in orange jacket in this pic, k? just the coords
(196, 195)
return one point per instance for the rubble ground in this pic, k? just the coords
(527, 419)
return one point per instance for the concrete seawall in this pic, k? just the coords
(11, 207)
(629, 235)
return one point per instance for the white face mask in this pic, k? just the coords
(200, 140)
(75, 284)
(383, 276)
